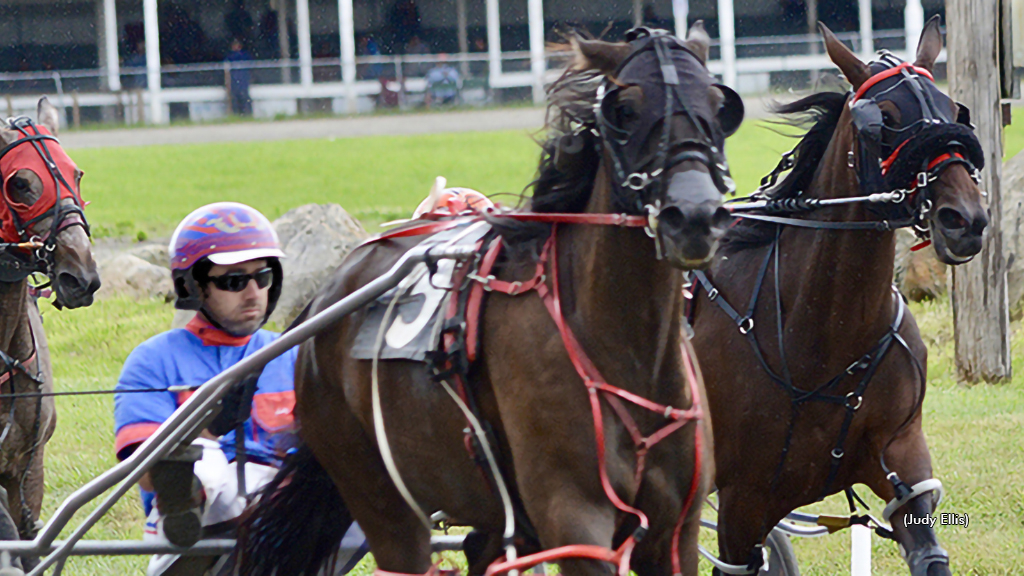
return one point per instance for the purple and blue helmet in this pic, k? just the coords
(224, 233)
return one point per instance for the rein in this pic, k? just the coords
(598, 388)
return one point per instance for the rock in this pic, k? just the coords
(129, 275)
(316, 238)
(1012, 194)
(918, 275)
(155, 254)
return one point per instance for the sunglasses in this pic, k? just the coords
(236, 281)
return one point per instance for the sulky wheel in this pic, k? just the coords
(781, 559)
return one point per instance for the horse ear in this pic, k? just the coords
(856, 72)
(48, 116)
(698, 41)
(930, 45)
(597, 55)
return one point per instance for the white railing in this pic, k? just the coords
(277, 87)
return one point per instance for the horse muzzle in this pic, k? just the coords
(76, 289)
(692, 220)
(957, 235)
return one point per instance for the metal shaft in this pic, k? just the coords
(199, 405)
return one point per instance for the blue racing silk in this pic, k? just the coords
(191, 356)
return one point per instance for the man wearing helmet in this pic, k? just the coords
(225, 264)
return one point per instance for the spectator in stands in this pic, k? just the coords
(416, 47)
(241, 76)
(135, 64)
(443, 84)
(369, 47)
(479, 68)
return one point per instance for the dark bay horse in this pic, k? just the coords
(637, 128)
(815, 369)
(42, 229)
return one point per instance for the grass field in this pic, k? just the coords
(974, 431)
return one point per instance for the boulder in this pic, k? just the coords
(315, 238)
(129, 275)
(918, 275)
(155, 254)
(1012, 194)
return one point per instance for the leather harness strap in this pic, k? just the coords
(598, 386)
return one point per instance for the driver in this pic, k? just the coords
(225, 260)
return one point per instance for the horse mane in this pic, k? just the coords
(821, 111)
(569, 157)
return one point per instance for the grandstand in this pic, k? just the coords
(140, 60)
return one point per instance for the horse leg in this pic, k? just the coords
(741, 528)
(908, 456)
(481, 549)
(399, 541)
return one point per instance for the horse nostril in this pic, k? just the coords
(950, 219)
(671, 217)
(70, 283)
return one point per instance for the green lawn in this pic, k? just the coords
(973, 432)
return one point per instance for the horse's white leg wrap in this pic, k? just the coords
(930, 485)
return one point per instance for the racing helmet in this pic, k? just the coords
(222, 233)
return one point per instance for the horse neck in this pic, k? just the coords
(622, 303)
(843, 274)
(15, 333)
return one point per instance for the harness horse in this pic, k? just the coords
(42, 230)
(814, 366)
(628, 194)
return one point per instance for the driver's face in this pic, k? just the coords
(240, 313)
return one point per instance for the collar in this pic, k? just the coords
(213, 336)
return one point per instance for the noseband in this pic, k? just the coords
(15, 263)
(641, 179)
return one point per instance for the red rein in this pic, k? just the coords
(596, 386)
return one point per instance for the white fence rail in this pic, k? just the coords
(286, 87)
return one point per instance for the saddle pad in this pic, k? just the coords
(415, 322)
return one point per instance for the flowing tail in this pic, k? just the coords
(297, 524)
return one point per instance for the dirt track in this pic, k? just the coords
(403, 124)
(354, 127)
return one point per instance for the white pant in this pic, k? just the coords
(223, 502)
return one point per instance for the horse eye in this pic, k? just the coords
(888, 119)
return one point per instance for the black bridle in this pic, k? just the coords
(642, 178)
(895, 166)
(15, 264)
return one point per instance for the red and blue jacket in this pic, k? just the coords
(191, 356)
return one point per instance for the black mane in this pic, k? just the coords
(569, 158)
(821, 111)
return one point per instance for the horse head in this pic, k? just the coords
(662, 124)
(42, 210)
(923, 141)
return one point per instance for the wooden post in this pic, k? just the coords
(76, 111)
(227, 89)
(980, 308)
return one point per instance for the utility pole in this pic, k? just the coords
(980, 304)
